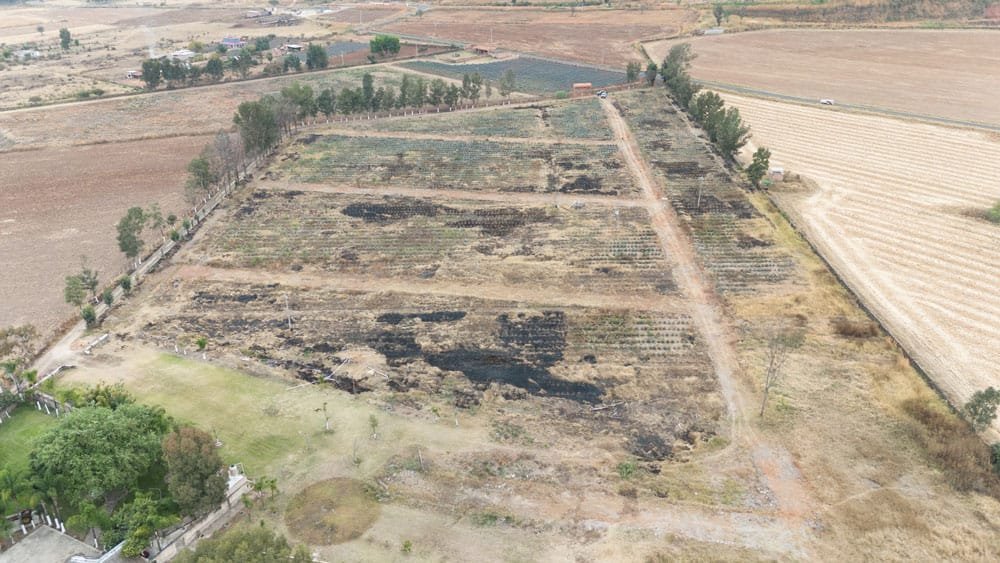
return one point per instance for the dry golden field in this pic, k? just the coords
(894, 210)
(945, 73)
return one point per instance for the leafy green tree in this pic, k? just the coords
(731, 134)
(74, 292)
(674, 71)
(241, 62)
(507, 83)
(262, 44)
(129, 230)
(247, 545)
(993, 214)
(214, 67)
(389, 99)
(88, 517)
(316, 57)
(17, 348)
(367, 89)
(981, 409)
(475, 86)
(258, 126)
(384, 45)
(326, 102)
(438, 89)
(65, 40)
(104, 395)
(96, 450)
(202, 175)
(137, 523)
(194, 470)
(707, 109)
(632, 70)
(378, 99)
(419, 92)
(151, 73)
(404, 91)
(758, 168)
(301, 95)
(452, 95)
(719, 12)
(651, 69)
(291, 62)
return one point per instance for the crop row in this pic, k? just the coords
(471, 165)
(722, 219)
(577, 119)
(532, 75)
(594, 249)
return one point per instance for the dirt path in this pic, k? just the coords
(774, 463)
(524, 198)
(499, 292)
(467, 138)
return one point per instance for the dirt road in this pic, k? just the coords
(774, 463)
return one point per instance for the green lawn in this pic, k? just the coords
(18, 433)
(260, 423)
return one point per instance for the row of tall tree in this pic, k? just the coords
(724, 126)
(173, 73)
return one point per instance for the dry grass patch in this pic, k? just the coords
(954, 447)
(331, 512)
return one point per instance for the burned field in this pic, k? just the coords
(576, 119)
(596, 249)
(423, 350)
(729, 235)
(480, 165)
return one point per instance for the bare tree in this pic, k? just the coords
(781, 340)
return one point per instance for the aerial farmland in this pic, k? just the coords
(489, 292)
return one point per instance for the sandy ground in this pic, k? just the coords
(593, 36)
(889, 215)
(57, 204)
(953, 73)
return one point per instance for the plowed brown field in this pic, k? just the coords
(592, 36)
(57, 204)
(890, 215)
(953, 74)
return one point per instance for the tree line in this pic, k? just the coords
(240, 62)
(724, 126)
(117, 468)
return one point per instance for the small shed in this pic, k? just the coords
(484, 49)
(777, 174)
(183, 55)
(582, 89)
(233, 43)
(295, 47)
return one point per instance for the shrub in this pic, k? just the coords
(89, 316)
(981, 410)
(175, 236)
(407, 547)
(952, 445)
(627, 469)
(126, 284)
(993, 214)
(202, 342)
(108, 296)
(855, 329)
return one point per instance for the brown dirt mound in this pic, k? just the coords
(331, 512)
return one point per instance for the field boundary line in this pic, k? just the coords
(854, 108)
(505, 293)
(346, 132)
(859, 299)
(537, 198)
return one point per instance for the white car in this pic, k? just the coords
(826, 102)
